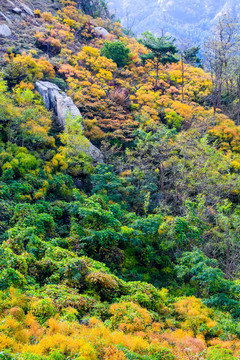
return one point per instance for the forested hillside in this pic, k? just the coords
(133, 254)
(183, 19)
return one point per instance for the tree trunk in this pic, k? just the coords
(162, 178)
(182, 63)
(156, 80)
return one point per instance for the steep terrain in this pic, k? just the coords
(132, 258)
(19, 17)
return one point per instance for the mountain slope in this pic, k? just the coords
(183, 19)
(136, 258)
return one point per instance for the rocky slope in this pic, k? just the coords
(18, 23)
(134, 259)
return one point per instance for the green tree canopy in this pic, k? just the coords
(191, 56)
(117, 51)
(162, 50)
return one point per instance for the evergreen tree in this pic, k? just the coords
(191, 57)
(162, 51)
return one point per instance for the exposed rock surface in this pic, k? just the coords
(101, 32)
(17, 10)
(27, 9)
(5, 17)
(16, 7)
(5, 30)
(63, 106)
(54, 98)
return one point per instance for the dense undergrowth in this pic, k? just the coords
(136, 258)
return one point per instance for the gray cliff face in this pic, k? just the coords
(57, 100)
(186, 19)
(5, 30)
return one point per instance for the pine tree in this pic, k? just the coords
(162, 51)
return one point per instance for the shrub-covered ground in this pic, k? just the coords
(136, 258)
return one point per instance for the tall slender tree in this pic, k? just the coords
(188, 56)
(162, 50)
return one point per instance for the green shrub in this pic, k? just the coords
(6, 356)
(29, 356)
(56, 355)
(216, 353)
(69, 314)
(10, 277)
(173, 119)
(59, 82)
(26, 162)
(117, 51)
(43, 309)
(164, 354)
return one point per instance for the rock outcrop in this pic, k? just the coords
(6, 18)
(5, 30)
(56, 99)
(101, 32)
(17, 10)
(27, 9)
(16, 7)
(63, 106)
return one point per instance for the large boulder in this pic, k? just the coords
(17, 10)
(101, 32)
(27, 9)
(57, 100)
(5, 30)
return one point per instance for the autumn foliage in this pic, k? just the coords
(133, 258)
